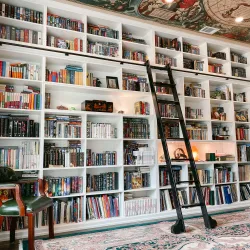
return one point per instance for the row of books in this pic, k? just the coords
(244, 172)
(135, 179)
(127, 36)
(57, 42)
(70, 75)
(19, 70)
(139, 206)
(134, 55)
(92, 81)
(168, 110)
(64, 23)
(20, 35)
(63, 157)
(29, 189)
(104, 206)
(101, 30)
(21, 13)
(165, 60)
(193, 64)
(62, 126)
(215, 68)
(244, 192)
(166, 199)
(18, 125)
(208, 195)
(190, 48)
(194, 89)
(219, 55)
(235, 57)
(20, 100)
(242, 133)
(102, 48)
(136, 153)
(224, 174)
(243, 152)
(164, 177)
(163, 90)
(102, 182)
(191, 113)
(239, 72)
(205, 176)
(171, 130)
(168, 43)
(137, 128)
(142, 108)
(101, 130)
(197, 131)
(134, 82)
(25, 156)
(101, 159)
(60, 186)
(226, 194)
(66, 210)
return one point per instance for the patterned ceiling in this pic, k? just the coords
(190, 14)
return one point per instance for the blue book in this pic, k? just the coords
(3, 68)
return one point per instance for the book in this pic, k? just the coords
(168, 43)
(103, 48)
(101, 130)
(134, 82)
(101, 159)
(136, 128)
(142, 108)
(101, 30)
(134, 55)
(165, 60)
(226, 194)
(197, 131)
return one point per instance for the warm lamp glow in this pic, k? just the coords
(195, 153)
(168, 1)
(239, 19)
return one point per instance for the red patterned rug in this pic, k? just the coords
(232, 233)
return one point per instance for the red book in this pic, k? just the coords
(26, 36)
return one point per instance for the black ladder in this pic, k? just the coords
(179, 226)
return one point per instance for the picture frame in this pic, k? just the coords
(112, 82)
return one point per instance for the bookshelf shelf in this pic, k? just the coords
(65, 196)
(21, 24)
(225, 183)
(71, 95)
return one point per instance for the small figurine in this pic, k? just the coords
(61, 107)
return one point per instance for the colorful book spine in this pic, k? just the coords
(136, 128)
(101, 159)
(101, 130)
(103, 48)
(101, 30)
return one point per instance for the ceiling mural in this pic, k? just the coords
(190, 14)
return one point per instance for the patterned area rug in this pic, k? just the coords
(232, 233)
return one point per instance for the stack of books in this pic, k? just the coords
(142, 108)
(136, 128)
(101, 30)
(168, 43)
(134, 82)
(197, 131)
(57, 42)
(215, 68)
(190, 48)
(102, 182)
(168, 110)
(137, 179)
(20, 35)
(104, 206)
(226, 194)
(224, 174)
(136, 206)
(21, 13)
(194, 89)
(164, 178)
(205, 176)
(191, 113)
(134, 55)
(208, 195)
(242, 133)
(71, 75)
(101, 130)
(103, 48)
(171, 130)
(60, 186)
(24, 157)
(165, 60)
(18, 125)
(193, 64)
(19, 70)
(64, 23)
(101, 159)
(62, 126)
(63, 157)
(29, 98)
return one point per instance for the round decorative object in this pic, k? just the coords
(225, 11)
(179, 154)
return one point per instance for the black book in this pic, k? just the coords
(36, 128)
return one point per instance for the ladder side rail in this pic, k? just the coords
(165, 148)
(189, 151)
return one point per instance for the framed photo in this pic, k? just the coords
(112, 82)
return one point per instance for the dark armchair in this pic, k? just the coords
(24, 206)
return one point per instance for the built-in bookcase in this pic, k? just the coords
(206, 93)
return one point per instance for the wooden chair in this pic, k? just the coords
(26, 206)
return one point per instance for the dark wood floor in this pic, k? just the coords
(6, 245)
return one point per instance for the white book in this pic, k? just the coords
(3, 9)
(168, 200)
(62, 212)
(30, 36)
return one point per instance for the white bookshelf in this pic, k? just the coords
(73, 95)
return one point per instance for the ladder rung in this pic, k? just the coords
(192, 205)
(167, 102)
(180, 182)
(162, 84)
(175, 139)
(170, 119)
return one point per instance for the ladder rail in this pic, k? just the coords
(165, 150)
